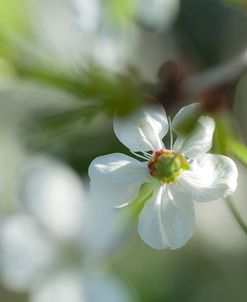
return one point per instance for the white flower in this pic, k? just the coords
(47, 250)
(176, 177)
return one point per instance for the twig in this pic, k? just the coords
(236, 214)
(216, 76)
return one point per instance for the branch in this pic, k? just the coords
(217, 76)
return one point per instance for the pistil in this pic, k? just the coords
(167, 165)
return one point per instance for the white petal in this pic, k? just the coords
(199, 141)
(116, 178)
(167, 219)
(26, 253)
(211, 177)
(53, 193)
(142, 130)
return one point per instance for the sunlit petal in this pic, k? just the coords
(210, 177)
(167, 219)
(116, 178)
(199, 141)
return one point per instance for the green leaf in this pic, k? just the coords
(238, 149)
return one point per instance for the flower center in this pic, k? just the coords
(167, 165)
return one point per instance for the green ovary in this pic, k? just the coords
(167, 166)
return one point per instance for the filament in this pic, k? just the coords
(170, 131)
(140, 156)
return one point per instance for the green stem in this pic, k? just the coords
(236, 214)
(220, 145)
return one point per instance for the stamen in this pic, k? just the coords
(147, 155)
(138, 155)
(170, 131)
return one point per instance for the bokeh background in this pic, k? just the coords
(65, 67)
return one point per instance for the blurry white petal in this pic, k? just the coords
(108, 229)
(87, 14)
(106, 288)
(53, 193)
(158, 13)
(65, 286)
(167, 219)
(142, 130)
(116, 178)
(71, 286)
(25, 252)
(210, 177)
